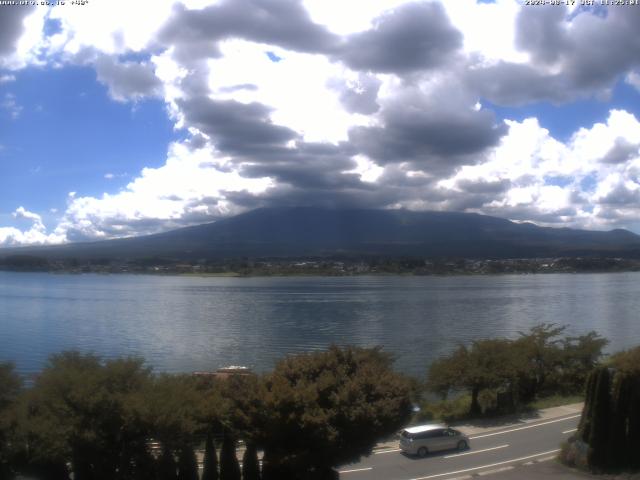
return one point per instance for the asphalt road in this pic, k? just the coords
(490, 451)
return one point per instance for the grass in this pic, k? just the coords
(555, 401)
(457, 409)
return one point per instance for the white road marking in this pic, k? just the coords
(356, 470)
(570, 431)
(487, 466)
(476, 451)
(524, 428)
(387, 451)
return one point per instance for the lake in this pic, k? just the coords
(182, 324)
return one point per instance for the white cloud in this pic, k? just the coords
(190, 188)
(592, 179)
(35, 235)
(569, 180)
(11, 106)
(633, 79)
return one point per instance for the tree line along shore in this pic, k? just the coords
(333, 266)
(117, 419)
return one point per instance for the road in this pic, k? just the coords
(490, 451)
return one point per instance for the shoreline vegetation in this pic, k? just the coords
(117, 419)
(314, 266)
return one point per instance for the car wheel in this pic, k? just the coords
(462, 445)
(422, 452)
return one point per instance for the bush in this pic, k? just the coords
(446, 410)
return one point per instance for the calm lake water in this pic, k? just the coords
(187, 323)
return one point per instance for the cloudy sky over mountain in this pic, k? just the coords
(121, 118)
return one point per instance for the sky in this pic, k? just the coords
(122, 118)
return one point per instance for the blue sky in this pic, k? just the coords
(69, 136)
(117, 125)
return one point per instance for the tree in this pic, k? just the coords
(171, 406)
(542, 352)
(486, 364)
(250, 465)
(167, 469)
(579, 356)
(210, 471)
(187, 463)
(10, 387)
(80, 410)
(627, 361)
(599, 434)
(229, 466)
(329, 408)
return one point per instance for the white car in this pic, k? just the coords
(423, 439)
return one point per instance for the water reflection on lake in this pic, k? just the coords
(192, 323)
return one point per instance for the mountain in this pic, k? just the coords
(313, 231)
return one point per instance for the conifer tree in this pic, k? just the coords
(599, 434)
(584, 428)
(167, 468)
(250, 465)
(187, 464)
(619, 417)
(229, 466)
(210, 471)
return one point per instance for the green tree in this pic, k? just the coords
(171, 406)
(167, 468)
(329, 408)
(10, 388)
(250, 465)
(79, 410)
(627, 361)
(229, 466)
(210, 470)
(485, 365)
(599, 434)
(187, 463)
(542, 352)
(578, 357)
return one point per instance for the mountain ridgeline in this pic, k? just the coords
(321, 232)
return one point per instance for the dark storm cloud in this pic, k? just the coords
(307, 165)
(436, 133)
(11, 26)
(600, 49)
(589, 55)
(415, 36)
(284, 23)
(261, 148)
(127, 80)
(540, 31)
(359, 97)
(492, 188)
(236, 128)
(288, 195)
(621, 152)
(513, 84)
(621, 195)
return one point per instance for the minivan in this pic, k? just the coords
(422, 439)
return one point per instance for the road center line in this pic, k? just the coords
(356, 470)
(476, 451)
(571, 431)
(524, 428)
(488, 466)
